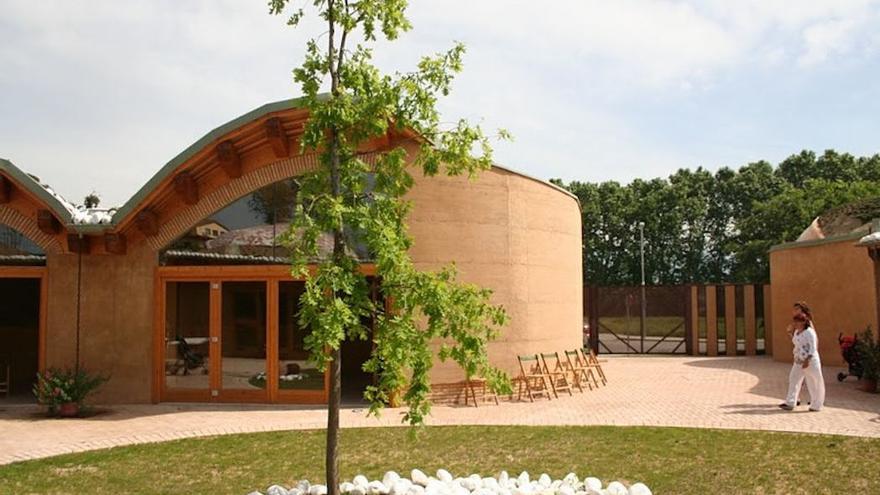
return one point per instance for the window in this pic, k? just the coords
(245, 232)
(16, 249)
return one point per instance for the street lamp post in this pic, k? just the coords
(644, 298)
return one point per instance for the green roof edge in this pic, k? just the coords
(28, 182)
(197, 146)
(126, 209)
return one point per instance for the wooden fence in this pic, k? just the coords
(712, 319)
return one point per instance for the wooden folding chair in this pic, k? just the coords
(580, 370)
(593, 362)
(533, 379)
(470, 386)
(558, 375)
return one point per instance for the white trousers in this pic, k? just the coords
(812, 374)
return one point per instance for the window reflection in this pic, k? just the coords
(246, 232)
(187, 335)
(296, 371)
(16, 249)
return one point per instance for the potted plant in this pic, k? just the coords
(868, 349)
(63, 391)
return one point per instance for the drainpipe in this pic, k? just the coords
(78, 296)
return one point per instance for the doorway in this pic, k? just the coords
(19, 337)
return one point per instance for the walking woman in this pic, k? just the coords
(807, 366)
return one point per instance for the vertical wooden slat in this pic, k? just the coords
(215, 325)
(730, 319)
(272, 371)
(695, 320)
(44, 306)
(158, 338)
(749, 314)
(594, 318)
(711, 322)
(768, 320)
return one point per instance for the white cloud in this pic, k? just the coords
(99, 94)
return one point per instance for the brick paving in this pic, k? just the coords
(735, 393)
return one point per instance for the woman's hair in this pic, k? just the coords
(805, 309)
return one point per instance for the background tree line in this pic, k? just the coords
(706, 227)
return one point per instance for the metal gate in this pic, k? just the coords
(615, 324)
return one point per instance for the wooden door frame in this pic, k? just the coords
(272, 275)
(34, 272)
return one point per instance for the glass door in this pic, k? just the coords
(243, 340)
(188, 342)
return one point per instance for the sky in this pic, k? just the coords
(98, 95)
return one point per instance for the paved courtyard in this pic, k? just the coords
(738, 393)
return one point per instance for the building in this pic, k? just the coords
(827, 268)
(183, 293)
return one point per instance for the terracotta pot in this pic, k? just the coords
(68, 410)
(868, 385)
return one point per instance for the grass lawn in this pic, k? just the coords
(669, 460)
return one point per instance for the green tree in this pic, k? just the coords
(348, 194)
(702, 227)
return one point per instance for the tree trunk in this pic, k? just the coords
(333, 403)
(331, 462)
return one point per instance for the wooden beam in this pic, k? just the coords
(47, 222)
(187, 188)
(115, 243)
(277, 138)
(695, 320)
(768, 320)
(147, 222)
(730, 319)
(711, 322)
(77, 244)
(749, 313)
(5, 190)
(229, 159)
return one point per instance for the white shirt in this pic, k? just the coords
(806, 345)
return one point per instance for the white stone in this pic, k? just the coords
(416, 490)
(639, 489)
(361, 481)
(460, 490)
(594, 484)
(544, 480)
(358, 490)
(444, 476)
(616, 488)
(255, 493)
(318, 490)
(390, 479)
(419, 477)
(503, 478)
(471, 484)
(401, 486)
(377, 488)
(490, 483)
(276, 490)
(523, 479)
(523, 490)
(303, 486)
(571, 479)
(565, 490)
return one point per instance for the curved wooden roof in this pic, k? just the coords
(259, 139)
